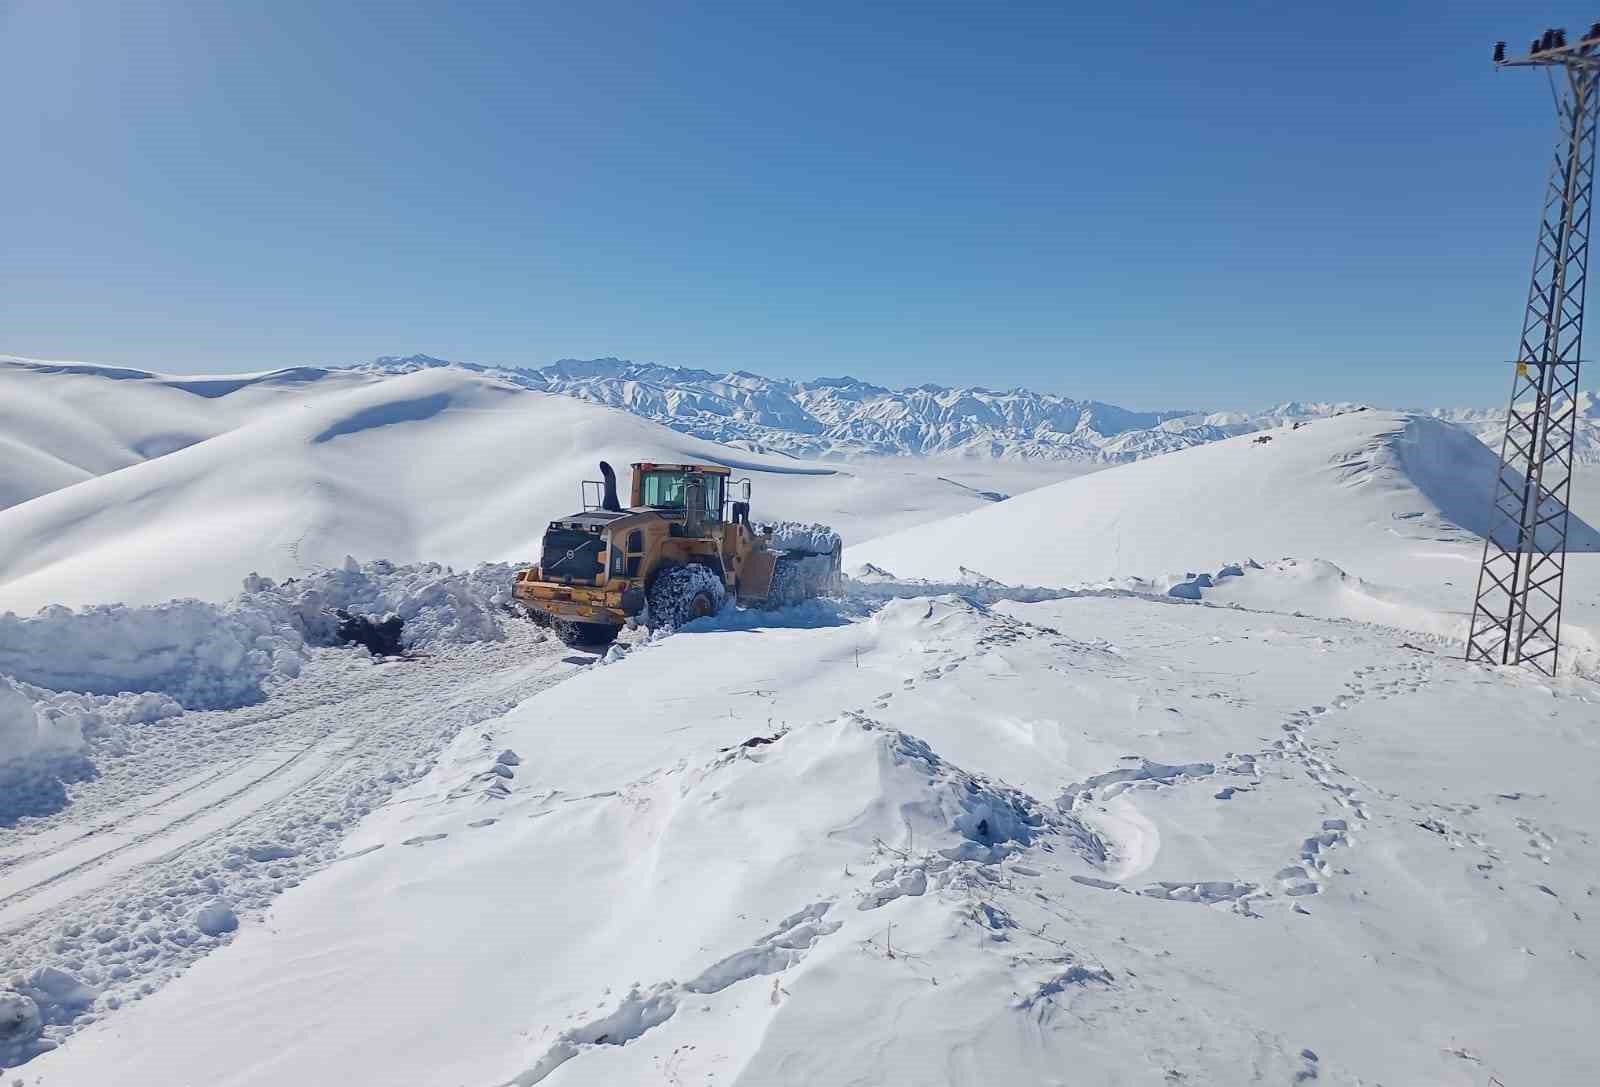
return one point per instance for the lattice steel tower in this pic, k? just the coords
(1516, 616)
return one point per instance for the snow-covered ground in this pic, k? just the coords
(195, 800)
(1104, 840)
(1167, 774)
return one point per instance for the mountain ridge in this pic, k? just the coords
(845, 416)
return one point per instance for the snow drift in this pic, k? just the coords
(210, 656)
(72, 681)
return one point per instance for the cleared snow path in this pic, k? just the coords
(211, 814)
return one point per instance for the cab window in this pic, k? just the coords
(713, 497)
(663, 490)
(669, 490)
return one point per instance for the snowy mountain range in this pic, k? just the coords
(844, 416)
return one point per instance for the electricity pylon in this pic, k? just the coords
(1516, 615)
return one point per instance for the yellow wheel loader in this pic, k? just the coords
(680, 549)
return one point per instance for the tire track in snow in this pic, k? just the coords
(126, 919)
(11, 917)
(62, 838)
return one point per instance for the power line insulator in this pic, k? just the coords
(1561, 38)
(1499, 52)
(1594, 33)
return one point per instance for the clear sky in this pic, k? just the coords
(1159, 204)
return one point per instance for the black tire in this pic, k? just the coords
(683, 593)
(585, 635)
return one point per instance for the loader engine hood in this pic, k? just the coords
(572, 546)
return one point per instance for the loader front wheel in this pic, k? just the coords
(684, 593)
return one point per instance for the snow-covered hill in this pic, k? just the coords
(1382, 514)
(136, 487)
(62, 422)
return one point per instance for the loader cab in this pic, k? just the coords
(698, 491)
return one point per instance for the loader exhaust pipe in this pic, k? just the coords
(608, 501)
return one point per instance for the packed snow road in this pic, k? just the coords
(209, 815)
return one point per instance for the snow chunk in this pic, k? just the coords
(57, 995)
(39, 753)
(813, 539)
(216, 918)
(20, 1028)
(26, 733)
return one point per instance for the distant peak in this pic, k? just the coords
(411, 360)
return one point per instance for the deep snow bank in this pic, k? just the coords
(210, 656)
(72, 681)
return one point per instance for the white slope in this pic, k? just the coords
(1109, 841)
(1384, 514)
(288, 473)
(64, 422)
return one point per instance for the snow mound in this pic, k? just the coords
(209, 656)
(987, 820)
(438, 605)
(72, 682)
(204, 656)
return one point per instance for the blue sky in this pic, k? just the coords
(1154, 204)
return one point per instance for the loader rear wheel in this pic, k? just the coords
(683, 593)
(585, 635)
